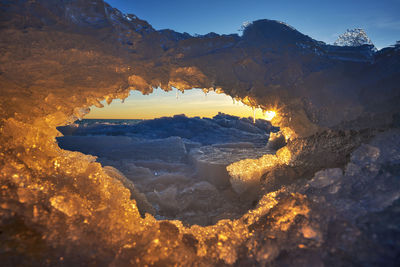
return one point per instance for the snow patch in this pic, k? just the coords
(353, 37)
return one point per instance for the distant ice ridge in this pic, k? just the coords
(222, 128)
(353, 37)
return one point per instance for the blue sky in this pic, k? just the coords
(322, 20)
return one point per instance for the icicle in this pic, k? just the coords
(109, 99)
(176, 93)
(98, 104)
(254, 115)
(79, 113)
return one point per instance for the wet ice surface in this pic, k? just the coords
(177, 164)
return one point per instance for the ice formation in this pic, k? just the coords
(353, 37)
(337, 107)
(175, 167)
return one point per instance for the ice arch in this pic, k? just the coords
(58, 58)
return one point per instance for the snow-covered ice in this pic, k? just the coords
(353, 37)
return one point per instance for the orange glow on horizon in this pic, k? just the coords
(160, 104)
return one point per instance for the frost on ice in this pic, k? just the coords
(353, 37)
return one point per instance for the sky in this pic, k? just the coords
(321, 20)
(192, 103)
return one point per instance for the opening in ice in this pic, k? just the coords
(179, 166)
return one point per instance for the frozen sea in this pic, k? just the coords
(177, 164)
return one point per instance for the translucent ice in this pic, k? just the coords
(211, 161)
(326, 177)
(245, 175)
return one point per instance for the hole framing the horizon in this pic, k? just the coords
(166, 195)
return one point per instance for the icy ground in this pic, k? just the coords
(177, 164)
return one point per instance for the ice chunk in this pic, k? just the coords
(203, 187)
(389, 145)
(211, 161)
(141, 201)
(170, 149)
(201, 196)
(190, 144)
(70, 204)
(365, 154)
(135, 172)
(366, 158)
(245, 174)
(352, 169)
(214, 172)
(276, 141)
(167, 200)
(310, 233)
(326, 177)
(161, 182)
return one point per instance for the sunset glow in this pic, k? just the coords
(269, 115)
(160, 103)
